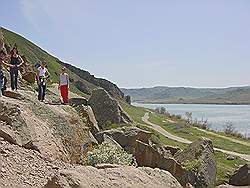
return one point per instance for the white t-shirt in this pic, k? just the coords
(42, 71)
(64, 79)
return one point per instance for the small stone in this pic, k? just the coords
(230, 157)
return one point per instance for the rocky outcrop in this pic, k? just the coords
(57, 132)
(241, 177)
(131, 177)
(106, 109)
(199, 158)
(111, 88)
(88, 116)
(125, 136)
(146, 155)
(20, 167)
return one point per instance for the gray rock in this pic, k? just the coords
(241, 177)
(112, 176)
(126, 136)
(106, 109)
(201, 155)
(78, 101)
(146, 155)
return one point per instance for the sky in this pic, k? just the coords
(142, 43)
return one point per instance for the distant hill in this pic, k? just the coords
(160, 94)
(82, 82)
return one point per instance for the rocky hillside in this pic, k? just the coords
(91, 143)
(233, 95)
(81, 80)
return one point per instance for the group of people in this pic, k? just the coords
(42, 76)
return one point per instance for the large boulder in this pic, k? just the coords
(125, 136)
(106, 109)
(146, 155)
(199, 158)
(88, 117)
(57, 132)
(241, 177)
(115, 176)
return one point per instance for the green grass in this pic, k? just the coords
(225, 167)
(136, 113)
(192, 134)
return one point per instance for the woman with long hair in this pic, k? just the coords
(15, 61)
(64, 86)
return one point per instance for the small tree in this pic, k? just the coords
(157, 110)
(163, 110)
(189, 117)
(229, 128)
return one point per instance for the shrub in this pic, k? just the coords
(108, 153)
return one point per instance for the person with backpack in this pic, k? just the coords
(15, 61)
(64, 85)
(42, 77)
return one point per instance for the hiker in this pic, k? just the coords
(42, 77)
(3, 79)
(15, 61)
(64, 86)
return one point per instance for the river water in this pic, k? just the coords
(217, 115)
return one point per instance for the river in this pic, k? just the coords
(217, 115)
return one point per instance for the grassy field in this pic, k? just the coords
(191, 133)
(224, 167)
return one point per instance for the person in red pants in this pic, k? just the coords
(64, 86)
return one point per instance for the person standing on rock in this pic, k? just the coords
(42, 77)
(64, 85)
(15, 61)
(3, 79)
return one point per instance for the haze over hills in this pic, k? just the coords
(161, 94)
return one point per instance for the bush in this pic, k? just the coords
(108, 153)
(229, 128)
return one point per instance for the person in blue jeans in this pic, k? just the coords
(15, 61)
(42, 77)
(3, 79)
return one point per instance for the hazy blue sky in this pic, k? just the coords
(140, 43)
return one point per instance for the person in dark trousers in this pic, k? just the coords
(3, 80)
(15, 61)
(42, 77)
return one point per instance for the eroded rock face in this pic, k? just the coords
(106, 109)
(201, 155)
(111, 177)
(146, 155)
(241, 176)
(126, 136)
(57, 132)
(88, 117)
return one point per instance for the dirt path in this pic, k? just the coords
(159, 129)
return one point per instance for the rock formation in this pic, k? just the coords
(126, 136)
(106, 109)
(56, 132)
(241, 177)
(199, 156)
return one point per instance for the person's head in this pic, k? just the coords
(14, 51)
(63, 69)
(43, 65)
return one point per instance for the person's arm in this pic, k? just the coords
(6, 64)
(37, 76)
(59, 81)
(20, 59)
(67, 80)
(47, 74)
